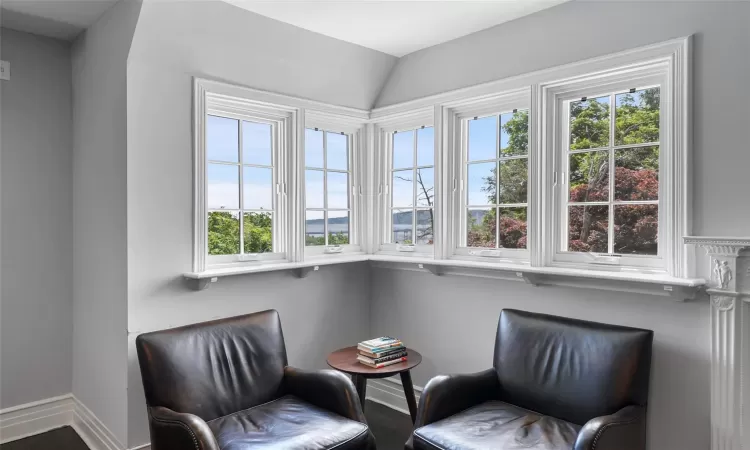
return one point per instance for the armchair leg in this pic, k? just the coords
(409, 393)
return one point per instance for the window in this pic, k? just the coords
(328, 180)
(613, 173)
(611, 160)
(412, 181)
(496, 173)
(240, 187)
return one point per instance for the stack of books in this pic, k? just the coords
(381, 352)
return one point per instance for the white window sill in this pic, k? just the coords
(644, 283)
(202, 280)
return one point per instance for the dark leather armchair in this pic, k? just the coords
(225, 385)
(556, 383)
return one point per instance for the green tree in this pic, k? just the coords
(513, 189)
(224, 233)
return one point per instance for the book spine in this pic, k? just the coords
(398, 355)
(381, 348)
(388, 352)
(381, 365)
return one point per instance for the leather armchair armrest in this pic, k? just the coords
(446, 395)
(328, 389)
(623, 430)
(171, 430)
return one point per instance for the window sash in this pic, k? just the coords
(561, 160)
(390, 208)
(350, 140)
(461, 167)
(277, 241)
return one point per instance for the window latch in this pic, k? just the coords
(487, 253)
(406, 248)
(606, 259)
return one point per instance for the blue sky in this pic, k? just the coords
(222, 139)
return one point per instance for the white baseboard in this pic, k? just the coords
(389, 392)
(38, 417)
(93, 432)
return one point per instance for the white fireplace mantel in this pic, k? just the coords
(728, 259)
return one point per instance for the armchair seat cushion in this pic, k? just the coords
(288, 423)
(497, 425)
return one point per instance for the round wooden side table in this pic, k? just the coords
(345, 360)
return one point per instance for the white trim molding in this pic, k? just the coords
(729, 264)
(38, 417)
(390, 392)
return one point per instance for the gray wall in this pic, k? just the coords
(36, 320)
(99, 208)
(457, 316)
(175, 41)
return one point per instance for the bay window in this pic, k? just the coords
(589, 171)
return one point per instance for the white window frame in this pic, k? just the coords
(457, 115)
(290, 116)
(556, 99)
(354, 130)
(383, 131)
(281, 120)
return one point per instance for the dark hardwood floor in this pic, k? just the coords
(61, 438)
(391, 429)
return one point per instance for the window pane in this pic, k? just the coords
(587, 228)
(257, 231)
(403, 149)
(336, 151)
(514, 176)
(425, 222)
(637, 174)
(589, 123)
(313, 148)
(314, 189)
(481, 227)
(338, 190)
(481, 184)
(483, 138)
(314, 228)
(402, 226)
(589, 177)
(514, 133)
(425, 187)
(426, 146)
(636, 229)
(338, 227)
(223, 186)
(403, 188)
(223, 233)
(256, 143)
(222, 139)
(258, 188)
(512, 227)
(637, 117)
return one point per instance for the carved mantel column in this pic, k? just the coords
(729, 290)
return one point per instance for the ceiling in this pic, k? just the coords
(396, 27)
(61, 19)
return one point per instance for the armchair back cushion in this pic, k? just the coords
(215, 368)
(570, 369)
